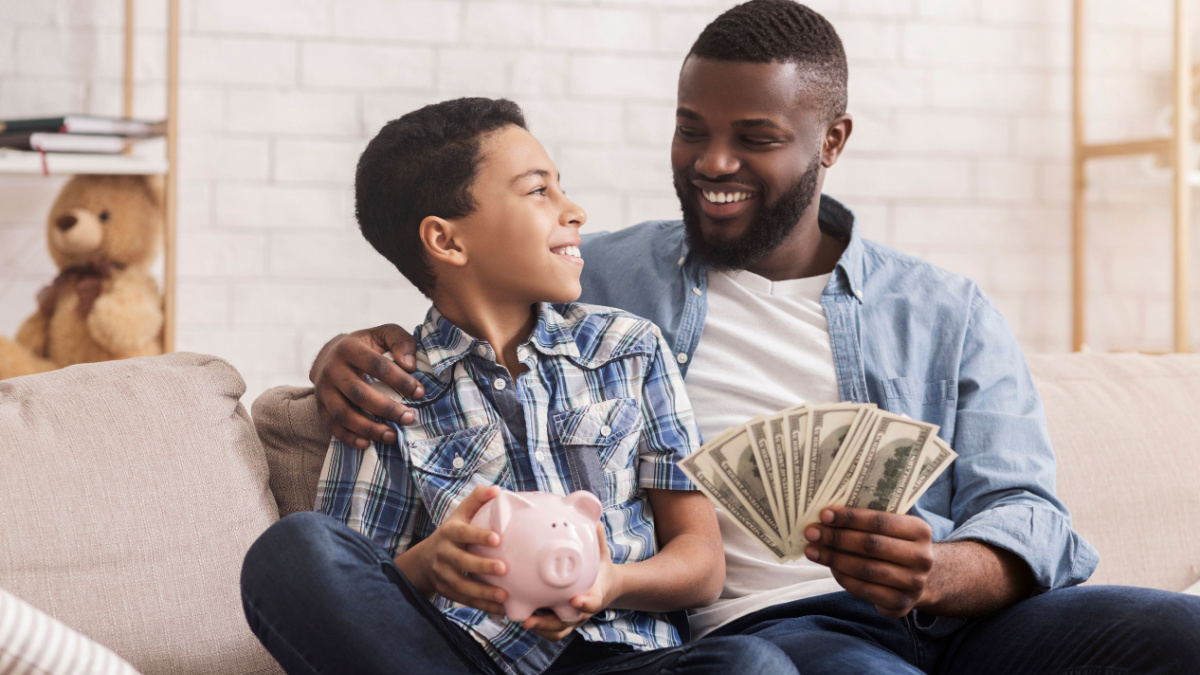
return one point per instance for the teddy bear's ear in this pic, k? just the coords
(157, 187)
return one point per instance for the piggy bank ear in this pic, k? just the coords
(585, 503)
(505, 505)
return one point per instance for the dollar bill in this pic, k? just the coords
(763, 447)
(736, 460)
(777, 429)
(712, 483)
(828, 427)
(888, 463)
(936, 459)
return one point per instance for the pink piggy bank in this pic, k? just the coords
(548, 543)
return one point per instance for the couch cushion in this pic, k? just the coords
(1125, 430)
(129, 493)
(295, 440)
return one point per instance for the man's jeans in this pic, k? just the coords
(1089, 630)
(323, 598)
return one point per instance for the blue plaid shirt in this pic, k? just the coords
(600, 381)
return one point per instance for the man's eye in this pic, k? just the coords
(539, 191)
(760, 141)
(686, 132)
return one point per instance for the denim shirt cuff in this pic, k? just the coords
(1040, 536)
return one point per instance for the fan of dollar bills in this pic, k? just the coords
(775, 473)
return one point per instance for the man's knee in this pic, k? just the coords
(746, 654)
(1172, 624)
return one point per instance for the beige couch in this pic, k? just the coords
(129, 492)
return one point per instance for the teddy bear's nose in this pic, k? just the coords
(66, 222)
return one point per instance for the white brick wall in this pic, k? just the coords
(960, 151)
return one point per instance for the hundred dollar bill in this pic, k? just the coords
(828, 426)
(712, 483)
(934, 460)
(763, 447)
(888, 462)
(777, 430)
(735, 458)
(847, 458)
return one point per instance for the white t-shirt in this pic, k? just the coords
(765, 347)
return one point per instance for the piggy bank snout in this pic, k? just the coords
(560, 564)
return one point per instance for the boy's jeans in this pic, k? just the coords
(1084, 630)
(323, 598)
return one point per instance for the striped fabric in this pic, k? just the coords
(34, 643)
(600, 381)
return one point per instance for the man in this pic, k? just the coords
(769, 297)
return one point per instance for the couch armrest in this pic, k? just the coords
(295, 441)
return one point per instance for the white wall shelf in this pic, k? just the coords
(66, 164)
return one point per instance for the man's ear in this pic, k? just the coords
(836, 135)
(443, 241)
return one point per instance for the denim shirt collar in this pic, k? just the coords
(836, 220)
(445, 344)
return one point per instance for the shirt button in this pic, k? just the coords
(605, 430)
(681, 261)
(539, 456)
(696, 290)
(481, 350)
(499, 385)
(681, 357)
(458, 462)
(858, 294)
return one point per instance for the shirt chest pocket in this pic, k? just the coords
(605, 436)
(934, 401)
(447, 468)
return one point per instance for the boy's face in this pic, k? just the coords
(523, 238)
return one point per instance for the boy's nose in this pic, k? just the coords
(573, 215)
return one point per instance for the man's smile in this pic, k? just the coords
(722, 201)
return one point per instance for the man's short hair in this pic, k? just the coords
(423, 164)
(781, 31)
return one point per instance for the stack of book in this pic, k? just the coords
(76, 133)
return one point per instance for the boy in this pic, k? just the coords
(517, 393)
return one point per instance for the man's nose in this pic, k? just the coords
(716, 160)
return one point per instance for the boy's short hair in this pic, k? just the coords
(423, 164)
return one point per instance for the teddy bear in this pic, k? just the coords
(103, 233)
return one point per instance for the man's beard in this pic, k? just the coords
(766, 231)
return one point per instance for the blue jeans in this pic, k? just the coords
(323, 598)
(1081, 630)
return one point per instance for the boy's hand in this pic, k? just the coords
(590, 602)
(449, 560)
(337, 380)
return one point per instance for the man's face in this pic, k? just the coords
(522, 239)
(746, 157)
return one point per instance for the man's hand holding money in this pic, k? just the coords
(883, 558)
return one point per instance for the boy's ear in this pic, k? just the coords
(443, 241)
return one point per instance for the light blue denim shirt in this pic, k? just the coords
(913, 339)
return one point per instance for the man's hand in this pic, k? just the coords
(440, 563)
(883, 558)
(589, 603)
(337, 378)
